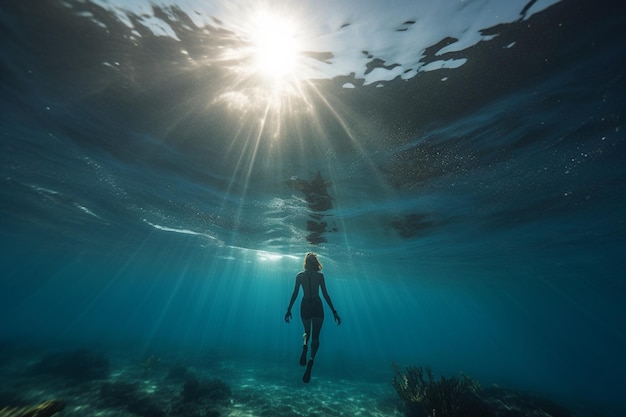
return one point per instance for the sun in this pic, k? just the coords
(266, 54)
(275, 46)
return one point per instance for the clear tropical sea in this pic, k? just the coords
(458, 166)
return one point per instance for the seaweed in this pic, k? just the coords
(424, 396)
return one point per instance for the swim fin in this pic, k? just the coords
(303, 356)
(307, 374)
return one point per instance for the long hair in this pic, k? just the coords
(311, 262)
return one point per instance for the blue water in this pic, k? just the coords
(471, 218)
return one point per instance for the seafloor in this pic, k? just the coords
(36, 382)
(91, 384)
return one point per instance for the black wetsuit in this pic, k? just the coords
(311, 306)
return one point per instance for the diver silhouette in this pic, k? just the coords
(311, 308)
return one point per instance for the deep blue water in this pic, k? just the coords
(468, 218)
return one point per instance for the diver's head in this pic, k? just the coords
(311, 262)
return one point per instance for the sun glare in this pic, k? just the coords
(268, 68)
(275, 46)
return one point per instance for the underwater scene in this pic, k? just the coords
(312, 208)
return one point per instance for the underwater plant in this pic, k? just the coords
(424, 396)
(48, 408)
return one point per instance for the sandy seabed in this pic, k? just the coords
(152, 387)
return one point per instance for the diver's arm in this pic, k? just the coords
(296, 289)
(328, 301)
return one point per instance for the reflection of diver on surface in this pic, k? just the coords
(315, 192)
(317, 228)
(316, 195)
(311, 309)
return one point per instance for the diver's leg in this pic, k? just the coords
(315, 335)
(315, 344)
(305, 339)
(306, 323)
